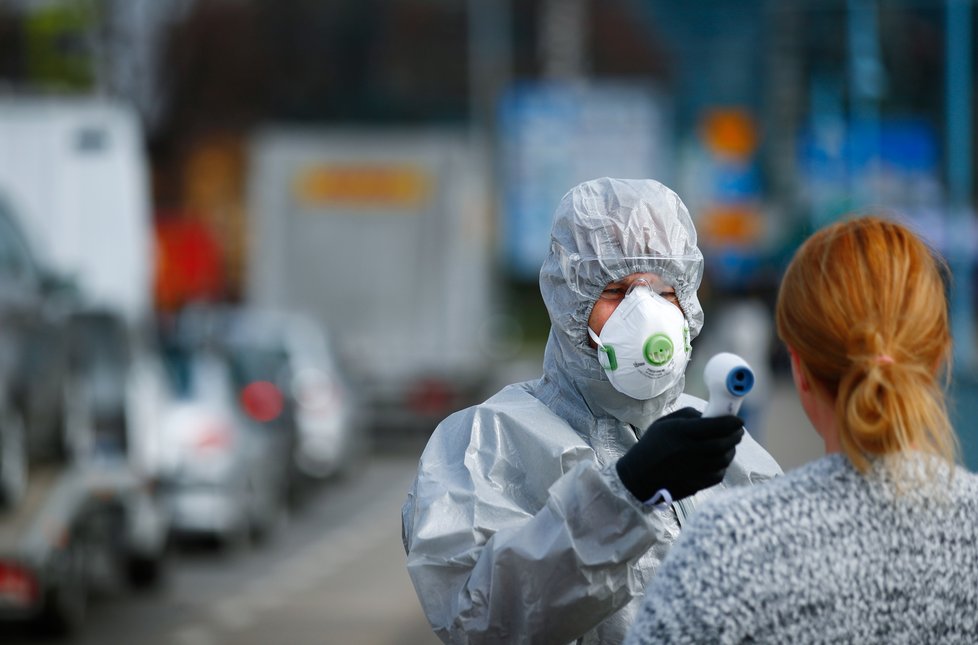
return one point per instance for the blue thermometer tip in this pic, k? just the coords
(740, 380)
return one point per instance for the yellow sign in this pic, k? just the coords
(730, 133)
(364, 186)
(732, 224)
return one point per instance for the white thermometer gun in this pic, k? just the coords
(728, 379)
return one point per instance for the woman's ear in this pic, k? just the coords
(818, 405)
(797, 373)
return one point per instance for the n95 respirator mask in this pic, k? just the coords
(644, 345)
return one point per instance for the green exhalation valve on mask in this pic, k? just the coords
(658, 349)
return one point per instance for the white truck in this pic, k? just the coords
(385, 238)
(76, 172)
(76, 505)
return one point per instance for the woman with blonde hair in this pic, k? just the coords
(878, 540)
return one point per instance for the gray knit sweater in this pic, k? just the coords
(820, 555)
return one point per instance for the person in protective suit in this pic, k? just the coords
(541, 514)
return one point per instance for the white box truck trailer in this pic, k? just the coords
(75, 171)
(385, 238)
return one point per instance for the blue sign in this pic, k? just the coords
(554, 136)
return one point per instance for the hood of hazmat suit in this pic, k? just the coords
(517, 528)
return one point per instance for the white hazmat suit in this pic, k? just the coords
(518, 528)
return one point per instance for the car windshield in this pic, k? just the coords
(200, 374)
(249, 364)
(98, 338)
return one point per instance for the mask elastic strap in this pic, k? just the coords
(594, 337)
(606, 355)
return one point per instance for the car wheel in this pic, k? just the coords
(66, 604)
(145, 571)
(265, 524)
(268, 507)
(234, 540)
(13, 459)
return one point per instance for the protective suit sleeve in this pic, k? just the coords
(493, 565)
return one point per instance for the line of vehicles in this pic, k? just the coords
(121, 430)
(114, 441)
(370, 296)
(259, 407)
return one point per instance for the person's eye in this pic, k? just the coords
(613, 293)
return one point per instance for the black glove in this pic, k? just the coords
(681, 452)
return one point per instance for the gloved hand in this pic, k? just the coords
(681, 452)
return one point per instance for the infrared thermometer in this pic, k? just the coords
(728, 379)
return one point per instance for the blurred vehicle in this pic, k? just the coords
(292, 352)
(382, 237)
(88, 522)
(77, 507)
(114, 413)
(34, 308)
(79, 531)
(224, 473)
(99, 364)
(74, 225)
(77, 172)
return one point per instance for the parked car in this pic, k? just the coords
(99, 360)
(114, 413)
(318, 400)
(223, 473)
(35, 381)
(79, 517)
